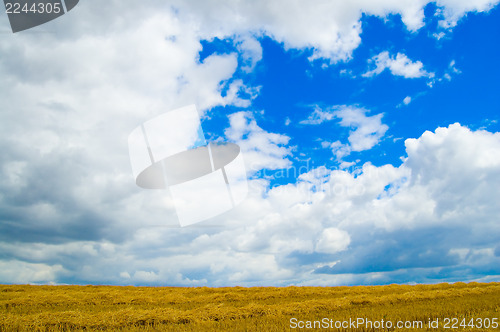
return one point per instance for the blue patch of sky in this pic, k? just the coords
(291, 86)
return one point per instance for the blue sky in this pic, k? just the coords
(291, 85)
(369, 131)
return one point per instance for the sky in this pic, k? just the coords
(369, 131)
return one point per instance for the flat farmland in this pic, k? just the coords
(466, 307)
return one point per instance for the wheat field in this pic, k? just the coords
(111, 308)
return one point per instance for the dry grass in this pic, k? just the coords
(92, 308)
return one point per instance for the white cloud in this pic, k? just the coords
(400, 65)
(333, 240)
(448, 74)
(439, 35)
(368, 130)
(372, 222)
(453, 10)
(20, 272)
(406, 101)
(318, 116)
(251, 51)
(331, 29)
(339, 150)
(365, 131)
(261, 149)
(452, 70)
(69, 208)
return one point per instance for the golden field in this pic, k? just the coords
(96, 308)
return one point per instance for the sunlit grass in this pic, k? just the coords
(68, 308)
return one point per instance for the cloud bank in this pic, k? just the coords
(71, 213)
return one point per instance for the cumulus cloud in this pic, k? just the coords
(329, 29)
(261, 149)
(71, 213)
(23, 273)
(333, 240)
(400, 65)
(452, 11)
(379, 221)
(367, 224)
(251, 51)
(365, 131)
(65, 162)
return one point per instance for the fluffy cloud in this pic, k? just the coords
(70, 212)
(23, 273)
(261, 149)
(367, 225)
(333, 240)
(318, 116)
(251, 51)
(400, 65)
(452, 11)
(365, 131)
(368, 130)
(330, 29)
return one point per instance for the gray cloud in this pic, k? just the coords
(72, 91)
